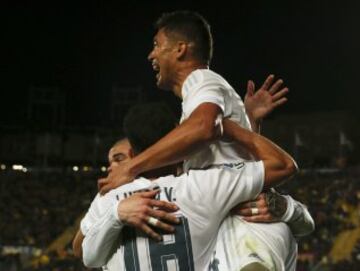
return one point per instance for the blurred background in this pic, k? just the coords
(71, 70)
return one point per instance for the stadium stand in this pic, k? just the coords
(44, 190)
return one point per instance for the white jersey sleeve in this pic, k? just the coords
(102, 225)
(102, 214)
(99, 240)
(97, 208)
(91, 215)
(204, 86)
(298, 218)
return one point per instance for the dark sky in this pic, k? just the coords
(85, 47)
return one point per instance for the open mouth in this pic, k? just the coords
(156, 68)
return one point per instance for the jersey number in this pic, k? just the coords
(173, 253)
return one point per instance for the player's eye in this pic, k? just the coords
(119, 157)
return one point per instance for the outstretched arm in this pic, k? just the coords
(278, 164)
(199, 129)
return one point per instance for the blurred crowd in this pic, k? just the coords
(37, 208)
(333, 199)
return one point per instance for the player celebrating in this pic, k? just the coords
(204, 198)
(120, 152)
(181, 55)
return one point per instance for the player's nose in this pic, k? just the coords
(112, 165)
(151, 56)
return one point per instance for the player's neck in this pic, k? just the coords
(182, 73)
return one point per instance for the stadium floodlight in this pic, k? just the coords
(17, 167)
(75, 168)
(25, 169)
(3, 167)
(103, 169)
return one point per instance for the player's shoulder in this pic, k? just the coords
(139, 184)
(201, 77)
(136, 185)
(169, 180)
(207, 75)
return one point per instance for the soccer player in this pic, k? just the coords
(181, 57)
(142, 204)
(118, 153)
(204, 198)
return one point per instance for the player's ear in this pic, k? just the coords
(181, 49)
(131, 153)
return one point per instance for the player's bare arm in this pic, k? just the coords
(271, 206)
(260, 103)
(186, 139)
(278, 163)
(77, 243)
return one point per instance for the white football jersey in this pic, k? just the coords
(273, 241)
(240, 243)
(204, 197)
(206, 86)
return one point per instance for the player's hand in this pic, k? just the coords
(267, 207)
(118, 176)
(142, 211)
(260, 103)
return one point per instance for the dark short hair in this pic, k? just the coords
(192, 27)
(119, 141)
(145, 124)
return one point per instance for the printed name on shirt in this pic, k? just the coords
(168, 191)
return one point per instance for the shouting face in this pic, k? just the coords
(163, 57)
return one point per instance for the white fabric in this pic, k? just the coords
(274, 241)
(98, 205)
(204, 197)
(240, 243)
(206, 86)
(298, 218)
(271, 244)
